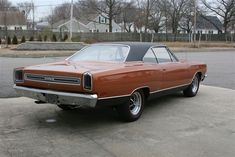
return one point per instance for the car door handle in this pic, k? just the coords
(163, 69)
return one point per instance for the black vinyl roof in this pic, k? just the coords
(137, 49)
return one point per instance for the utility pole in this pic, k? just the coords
(195, 23)
(5, 25)
(71, 21)
(32, 3)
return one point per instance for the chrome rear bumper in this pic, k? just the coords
(55, 97)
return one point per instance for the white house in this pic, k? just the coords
(209, 25)
(64, 26)
(12, 20)
(100, 23)
(90, 23)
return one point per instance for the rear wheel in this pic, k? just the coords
(132, 110)
(192, 89)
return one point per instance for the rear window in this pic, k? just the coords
(102, 53)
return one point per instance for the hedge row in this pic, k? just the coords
(15, 40)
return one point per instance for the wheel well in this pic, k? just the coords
(146, 92)
(200, 75)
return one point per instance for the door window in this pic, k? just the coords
(149, 57)
(162, 54)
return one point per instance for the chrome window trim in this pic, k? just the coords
(169, 52)
(106, 44)
(153, 54)
(172, 55)
(25, 76)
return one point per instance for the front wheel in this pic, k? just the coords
(132, 110)
(192, 89)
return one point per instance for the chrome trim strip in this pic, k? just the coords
(152, 91)
(113, 97)
(140, 88)
(14, 76)
(52, 81)
(123, 95)
(160, 90)
(83, 82)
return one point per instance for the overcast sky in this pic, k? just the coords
(43, 7)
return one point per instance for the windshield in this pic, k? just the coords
(102, 53)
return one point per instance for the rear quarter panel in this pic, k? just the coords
(196, 67)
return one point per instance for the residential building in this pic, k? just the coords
(100, 23)
(12, 20)
(90, 23)
(64, 26)
(209, 25)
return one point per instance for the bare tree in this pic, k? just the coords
(5, 5)
(26, 8)
(187, 20)
(176, 12)
(61, 12)
(128, 15)
(109, 7)
(146, 6)
(223, 8)
(156, 16)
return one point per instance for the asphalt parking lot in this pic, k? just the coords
(172, 126)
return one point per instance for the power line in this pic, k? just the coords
(38, 6)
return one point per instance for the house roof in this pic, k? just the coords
(57, 24)
(82, 19)
(76, 24)
(209, 22)
(12, 18)
(90, 17)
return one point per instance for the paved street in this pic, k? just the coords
(221, 69)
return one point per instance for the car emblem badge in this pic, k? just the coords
(49, 79)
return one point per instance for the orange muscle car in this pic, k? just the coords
(123, 75)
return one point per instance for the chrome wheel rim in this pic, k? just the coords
(195, 85)
(135, 103)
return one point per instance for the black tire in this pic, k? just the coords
(132, 110)
(193, 88)
(67, 107)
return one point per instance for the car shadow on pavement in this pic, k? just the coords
(85, 118)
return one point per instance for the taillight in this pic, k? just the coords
(87, 81)
(18, 76)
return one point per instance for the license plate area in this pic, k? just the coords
(51, 98)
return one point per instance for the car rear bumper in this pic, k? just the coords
(56, 97)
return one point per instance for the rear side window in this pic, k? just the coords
(162, 54)
(149, 57)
